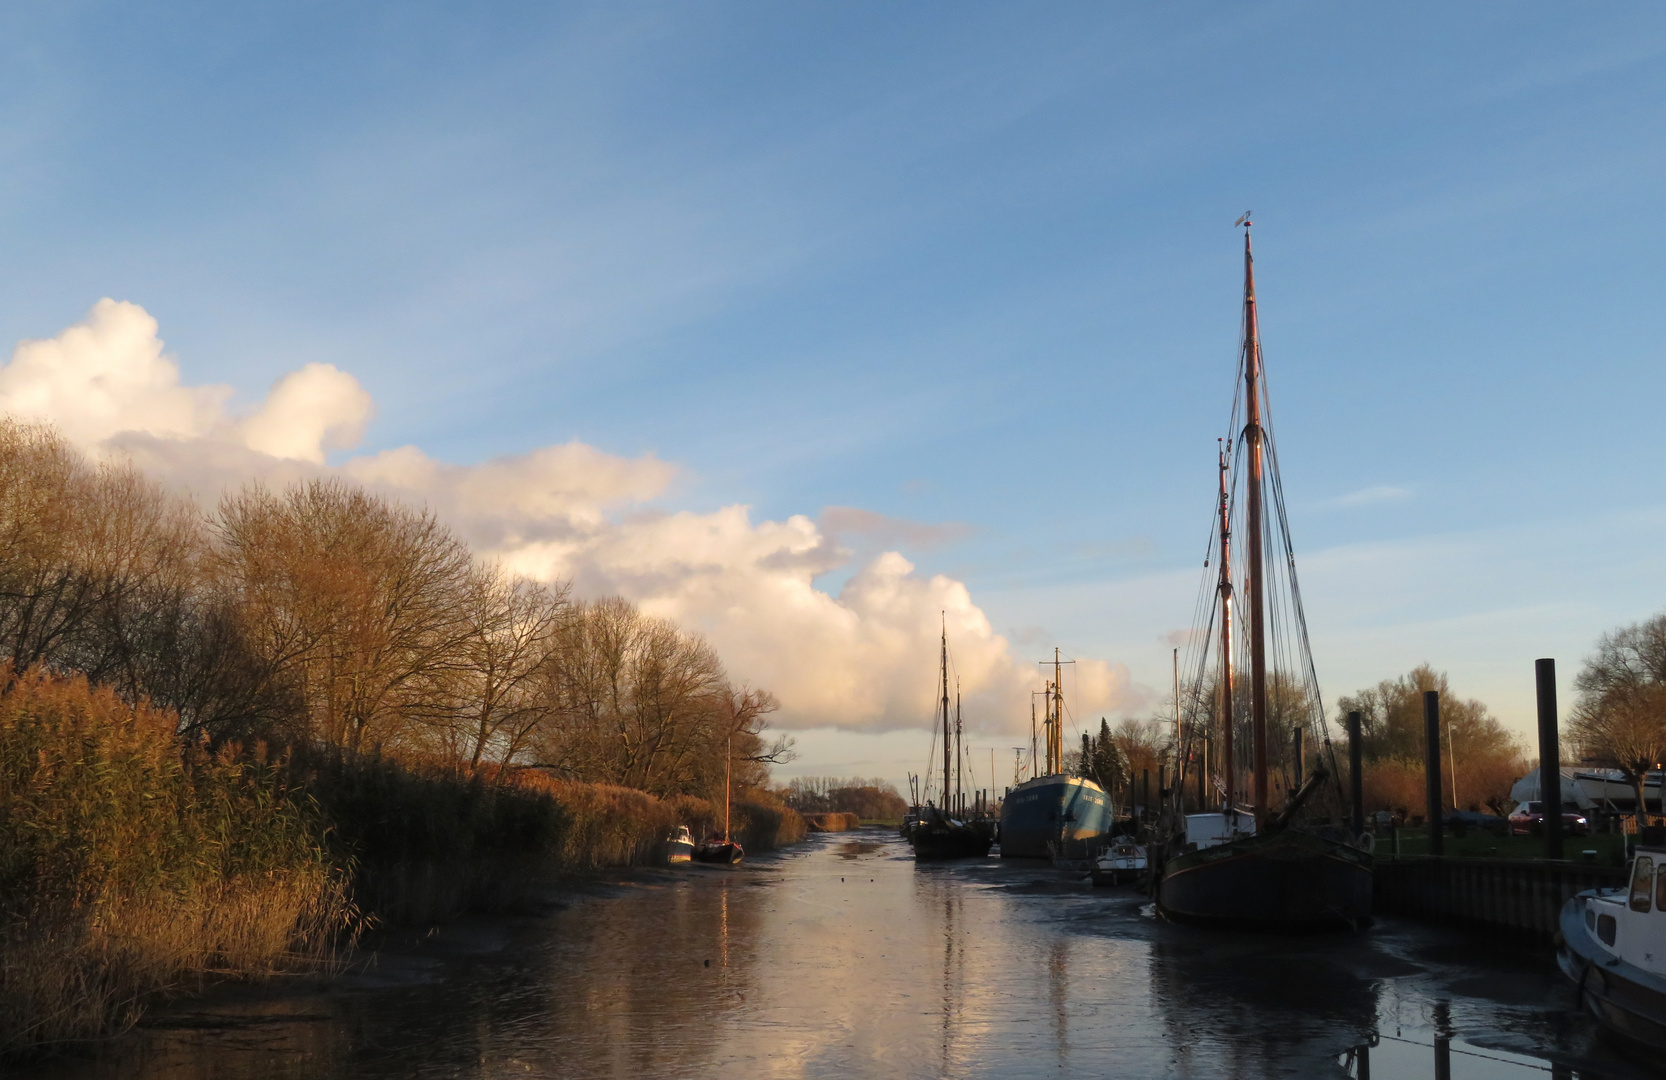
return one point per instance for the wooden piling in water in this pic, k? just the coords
(1356, 778)
(1431, 769)
(1550, 758)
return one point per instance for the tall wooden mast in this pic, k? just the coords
(1033, 745)
(1228, 762)
(1254, 450)
(959, 756)
(947, 808)
(1056, 750)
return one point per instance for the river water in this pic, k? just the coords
(842, 958)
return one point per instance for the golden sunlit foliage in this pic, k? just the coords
(129, 861)
(1480, 758)
(444, 735)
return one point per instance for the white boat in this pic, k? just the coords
(680, 847)
(1612, 944)
(1123, 861)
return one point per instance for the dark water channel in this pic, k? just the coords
(844, 959)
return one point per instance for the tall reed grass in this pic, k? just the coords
(134, 863)
(131, 864)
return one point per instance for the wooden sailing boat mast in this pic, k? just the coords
(1033, 746)
(945, 706)
(1228, 762)
(959, 756)
(1253, 446)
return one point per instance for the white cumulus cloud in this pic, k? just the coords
(864, 658)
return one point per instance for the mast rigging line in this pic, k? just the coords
(1294, 692)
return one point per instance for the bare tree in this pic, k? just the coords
(326, 615)
(498, 697)
(364, 602)
(643, 703)
(1620, 716)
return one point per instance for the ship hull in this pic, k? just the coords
(1051, 809)
(935, 840)
(1287, 880)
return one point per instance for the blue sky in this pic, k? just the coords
(951, 263)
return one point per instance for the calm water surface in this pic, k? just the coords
(844, 959)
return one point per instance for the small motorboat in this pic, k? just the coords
(1612, 944)
(1123, 861)
(719, 850)
(679, 848)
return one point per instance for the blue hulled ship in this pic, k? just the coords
(1053, 815)
(1051, 809)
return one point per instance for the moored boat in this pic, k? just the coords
(939, 836)
(1288, 880)
(720, 850)
(1612, 944)
(723, 849)
(942, 832)
(1055, 815)
(680, 847)
(1050, 809)
(1257, 868)
(1123, 861)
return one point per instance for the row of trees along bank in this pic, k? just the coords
(1489, 757)
(238, 735)
(1617, 721)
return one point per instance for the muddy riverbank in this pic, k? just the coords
(842, 958)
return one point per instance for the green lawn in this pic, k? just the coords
(1610, 849)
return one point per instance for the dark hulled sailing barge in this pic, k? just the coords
(939, 834)
(1252, 866)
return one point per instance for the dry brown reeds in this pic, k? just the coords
(130, 864)
(133, 862)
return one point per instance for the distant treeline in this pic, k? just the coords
(237, 735)
(874, 799)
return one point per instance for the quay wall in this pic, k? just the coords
(1521, 896)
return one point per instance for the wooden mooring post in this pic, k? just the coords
(1550, 758)
(1431, 768)
(1356, 778)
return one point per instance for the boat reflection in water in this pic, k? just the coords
(846, 958)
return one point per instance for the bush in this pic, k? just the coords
(130, 863)
(424, 841)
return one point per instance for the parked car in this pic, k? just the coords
(1530, 816)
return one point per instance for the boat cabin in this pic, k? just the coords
(1207, 830)
(1630, 923)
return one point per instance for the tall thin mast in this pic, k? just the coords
(1033, 747)
(1179, 758)
(1057, 749)
(1257, 614)
(958, 755)
(1228, 764)
(945, 705)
